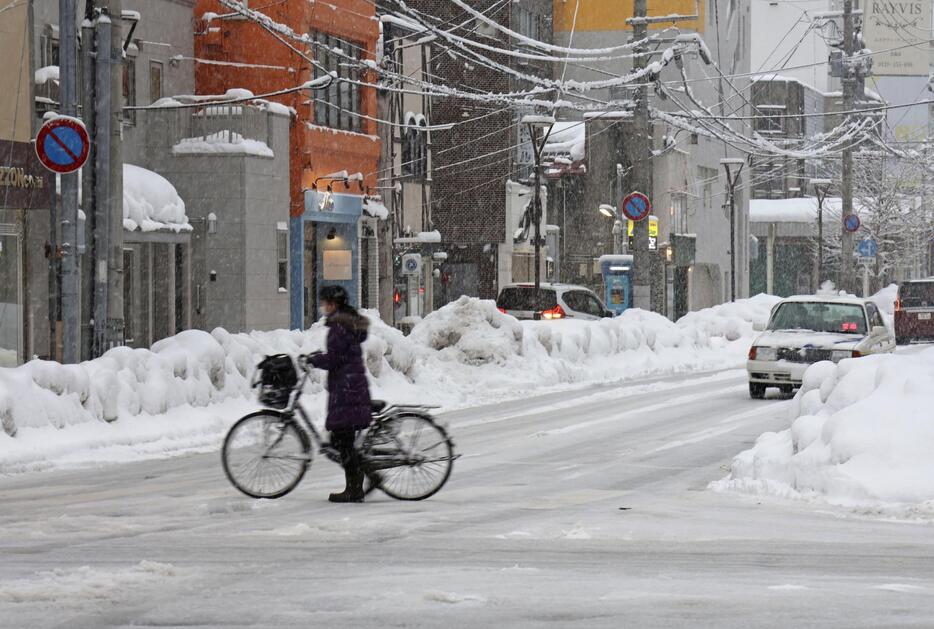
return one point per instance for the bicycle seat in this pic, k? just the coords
(377, 406)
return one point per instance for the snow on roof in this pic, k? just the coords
(274, 107)
(375, 208)
(843, 299)
(799, 210)
(762, 78)
(567, 138)
(46, 74)
(222, 142)
(421, 237)
(150, 202)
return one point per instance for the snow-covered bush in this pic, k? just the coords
(862, 433)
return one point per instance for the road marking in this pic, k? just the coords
(710, 433)
(675, 401)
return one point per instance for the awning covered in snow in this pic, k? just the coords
(151, 202)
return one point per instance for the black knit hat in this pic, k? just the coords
(337, 295)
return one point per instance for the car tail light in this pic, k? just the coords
(857, 354)
(503, 310)
(898, 304)
(752, 352)
(555, 313)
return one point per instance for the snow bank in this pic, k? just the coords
(861, 436)
(187, 389)
(150, 202)
(222, 142)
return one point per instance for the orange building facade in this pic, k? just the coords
(334, 129)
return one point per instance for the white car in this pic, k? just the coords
(551, 302)
(805, 330)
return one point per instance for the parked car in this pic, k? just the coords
(552, 301)
(805, 330)
(914, 311)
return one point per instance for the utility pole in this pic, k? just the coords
(641, 163)
(108, 181)
(102, 182)
(846, 279)
(732, 178)
(68, 58)
(545, 123)
(88, 200)
(115, 305)
(820, 190)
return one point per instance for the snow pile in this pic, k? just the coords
(186, 390)
(861, 436)
(732, 321)
(222, 142)
(472, 332)
(150, 202)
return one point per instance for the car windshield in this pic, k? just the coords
(914, 294)
(526, 298)
(819, 316)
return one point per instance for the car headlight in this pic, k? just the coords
(839, 354)
(767, 354)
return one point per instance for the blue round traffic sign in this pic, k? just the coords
(636, 206)
(851, 223)
(867, 248)
(62, 144)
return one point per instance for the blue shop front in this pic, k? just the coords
(324, 243)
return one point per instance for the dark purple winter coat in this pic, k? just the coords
(348, 390)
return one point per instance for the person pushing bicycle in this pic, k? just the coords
(348, 390)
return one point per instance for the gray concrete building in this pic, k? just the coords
(689, 184)
(230, 164)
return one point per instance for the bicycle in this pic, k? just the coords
(404, 452)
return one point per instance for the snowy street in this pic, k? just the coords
(587, 508)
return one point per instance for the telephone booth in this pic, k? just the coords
(617, 282)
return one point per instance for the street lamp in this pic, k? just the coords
(733, 167)
(535, 124)
(820, 191)
(611, 212)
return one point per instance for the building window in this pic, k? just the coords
(129, 89)
(339, 105)
(49, 47)
(770, 119)
(155, 81)
(415, 147)
(282, 256)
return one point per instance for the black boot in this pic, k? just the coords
(353, 492)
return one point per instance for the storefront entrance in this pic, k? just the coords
(11, 296)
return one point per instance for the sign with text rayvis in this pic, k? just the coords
(893, 25)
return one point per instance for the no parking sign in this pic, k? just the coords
(62, 145)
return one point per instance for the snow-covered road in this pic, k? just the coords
(576, 509)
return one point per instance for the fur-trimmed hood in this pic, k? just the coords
(356, 325)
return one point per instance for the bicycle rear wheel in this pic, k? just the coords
(411, 455)
(265, 454)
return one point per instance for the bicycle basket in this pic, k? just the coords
(277, 378)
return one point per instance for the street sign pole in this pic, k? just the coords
(71, 277)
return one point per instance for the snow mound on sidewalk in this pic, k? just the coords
(470, 331)
(732, 321)
(187, 389)
(861, 436)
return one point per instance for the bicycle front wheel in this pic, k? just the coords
(265, 454)
(410, 454)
